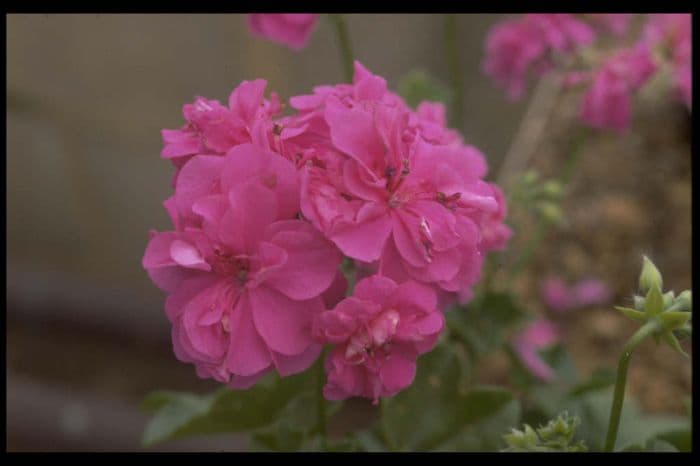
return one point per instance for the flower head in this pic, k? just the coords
(378, 333)
(395, 188)
(290, 29)
(244, 277)
(607, 103)
(520, 47)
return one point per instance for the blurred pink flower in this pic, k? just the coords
(520, 47)
(561, 298)
(244, 277)
(378, 333)
(607, 103)
(672, 33)
(527, 344)
(290, 29)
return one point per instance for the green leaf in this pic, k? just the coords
(671, 320)
(632, 313)
(669, 338)
(184, 414)
(417, 86)
(486, 323)
(601, 378)
(436, 413)
(593, 407)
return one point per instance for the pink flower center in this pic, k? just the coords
(372, 340)
(235, 266)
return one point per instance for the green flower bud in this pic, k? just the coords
(552, 189)
(684, 301)
(530, 177)
(668, 299)
(650, 276)
(550, 211)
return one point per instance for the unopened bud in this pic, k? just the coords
(552, 189)
(650, 276)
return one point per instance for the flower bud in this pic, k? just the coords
(552, 189)
(684, 301)
(650, 276)
(550, 212)
(668, 299)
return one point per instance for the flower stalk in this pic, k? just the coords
(621, 380)
(344, 44)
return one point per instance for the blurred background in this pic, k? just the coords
(87, 96)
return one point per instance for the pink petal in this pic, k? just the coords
(311, 263)
(288, 365)
(285, 325)
(397, 373)
(376, 289)
(247, 163)
(188, 256)
(353, 132)
(364, 240)
(247, 353)
(252, 209)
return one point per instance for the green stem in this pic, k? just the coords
(344, 44)
(456, 71)
(619, 396)
(543, 226)
(321, 401)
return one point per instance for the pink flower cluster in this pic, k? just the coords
(672, 33)
(265, 207)
(529, 45)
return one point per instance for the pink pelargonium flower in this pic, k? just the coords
(561, 298)
(290, 29)
(516, 48)
(672, 34)
(386, 194)
(213, 129)
(527, 344)
(244, 277)
(378, 333)
(607, 103)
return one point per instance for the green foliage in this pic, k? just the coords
(285, 406)
(418, 86)
(556, 435)
(439, 413)
(487, 322)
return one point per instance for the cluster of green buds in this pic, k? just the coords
(540, 196)
(557, 435)
(669, 313)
